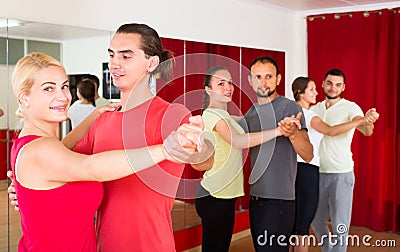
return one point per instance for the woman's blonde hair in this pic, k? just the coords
(22, 78)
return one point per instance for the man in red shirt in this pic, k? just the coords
(135, 211)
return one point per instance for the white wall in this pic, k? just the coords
(7, 100)
(79, 56)
(231, 22)
(82, 56)
(249, 23)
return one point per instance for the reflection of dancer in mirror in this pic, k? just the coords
(272, 188)
(307, 178)
(336, 178)
(223, 183)
(100, 101)
(49, 176)
(81, 108)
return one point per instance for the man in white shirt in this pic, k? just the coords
(336, 164)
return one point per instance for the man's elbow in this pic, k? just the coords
(368, 133)
(309, 158)
(331, 133)
(366, 130)
(309, 153)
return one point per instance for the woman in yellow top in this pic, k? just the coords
(223, 183)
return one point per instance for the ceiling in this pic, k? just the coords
(47, 31)
(308, 5)
(58, 32)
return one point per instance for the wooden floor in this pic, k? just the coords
(10, 231)
(184, 215)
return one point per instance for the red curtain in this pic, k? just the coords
(366, 46)
(172, 90)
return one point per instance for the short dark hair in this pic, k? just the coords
(86, 88)
(264, 60)
(335, 72)
(93, 78)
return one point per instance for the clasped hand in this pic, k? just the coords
(289, 125)
(371, 116)
(187, 144)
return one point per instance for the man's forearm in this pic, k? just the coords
(302, 145)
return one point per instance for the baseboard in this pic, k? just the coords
(241, 235)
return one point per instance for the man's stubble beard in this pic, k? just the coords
(331, 97)
(266, 95)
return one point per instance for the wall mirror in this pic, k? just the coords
(84, 51)
(81, 51)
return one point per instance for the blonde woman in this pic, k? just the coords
(57, 189)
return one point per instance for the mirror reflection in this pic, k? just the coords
(82, 52)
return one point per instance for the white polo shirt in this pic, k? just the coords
(335, 152)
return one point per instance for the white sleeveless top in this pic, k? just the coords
(315, 137)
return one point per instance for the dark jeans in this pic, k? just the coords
(217, 218)
(271, 223)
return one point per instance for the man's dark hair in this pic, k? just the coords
(86, 88)
(151, 44)
(264, 60)
(93, 78)
(335, 72)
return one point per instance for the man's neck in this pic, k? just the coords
(136, 94)
(84, 101)
(330, 102)
(265, 100)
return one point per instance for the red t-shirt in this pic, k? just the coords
(59, 219)
(135, 212)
